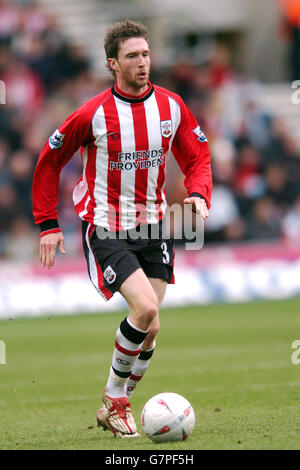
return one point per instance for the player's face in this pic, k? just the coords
(133, 65)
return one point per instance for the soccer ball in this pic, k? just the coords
(168, 417)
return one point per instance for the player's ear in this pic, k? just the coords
(113, 63)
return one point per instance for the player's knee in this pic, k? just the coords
(150, 312)
(146, 313)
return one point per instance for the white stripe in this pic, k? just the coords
(127, 190)
(81, 187)
(84, 212)
(175, 117)
(125, 343)
(100, 190)
(92, 264)
(164, 204)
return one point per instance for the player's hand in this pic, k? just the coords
(198, 205)
(48, 244)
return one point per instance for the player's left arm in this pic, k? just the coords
(191, 151)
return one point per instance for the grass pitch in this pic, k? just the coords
(232, 362)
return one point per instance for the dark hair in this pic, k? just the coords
(119, 33)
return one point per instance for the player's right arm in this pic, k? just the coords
(48, 244)
(63, 143)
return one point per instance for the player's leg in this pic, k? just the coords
(157, 263)
(133, 330)
(142, 363)
(111, 264)
(121, 272)
(130, 336)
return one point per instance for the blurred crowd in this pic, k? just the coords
(256, 164)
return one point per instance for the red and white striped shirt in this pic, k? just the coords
(124, 142)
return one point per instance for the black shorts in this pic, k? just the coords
(111, 261)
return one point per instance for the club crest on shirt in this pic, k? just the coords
(109, 274)
(56, 140)
(200, 134)
(166, 128)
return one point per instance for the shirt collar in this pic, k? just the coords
(131, 98)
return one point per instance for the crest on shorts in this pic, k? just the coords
(166, 128)
(109, 275)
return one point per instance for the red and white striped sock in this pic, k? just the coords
(128, 344)
(138, 371)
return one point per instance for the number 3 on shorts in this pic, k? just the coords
(166, 256)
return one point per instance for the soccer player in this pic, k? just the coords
(126, 133)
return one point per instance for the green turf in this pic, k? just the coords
(232, 362)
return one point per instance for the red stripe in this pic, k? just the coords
(165, 115)
(91, 229)
(136, 378)
(90, 177)
(113, 176)
(101, 285)
(79, 207)
(128, 352)
(141, 174)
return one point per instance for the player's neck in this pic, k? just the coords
(131, 92)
